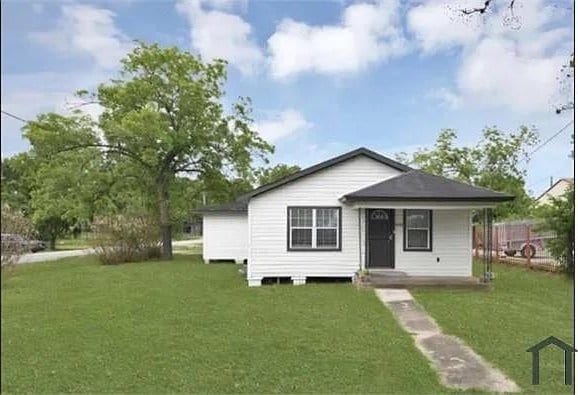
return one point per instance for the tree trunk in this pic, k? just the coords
(165, 222)
(52, 243)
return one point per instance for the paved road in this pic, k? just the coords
(54, 255)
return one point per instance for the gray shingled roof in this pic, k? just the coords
(416, 185)
(241, 203)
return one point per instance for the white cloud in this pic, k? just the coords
(368, 33)
(446, 97)
(226, 5)
(436, 26)
(80, 31)
(87, 30)
(495, 73)
(509, 60)
(29, 94)
(541, 43)
(37, 8)
(219, 34)
(286, 123)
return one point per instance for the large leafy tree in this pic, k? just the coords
(16, 186)
(55, 192)
(164, 114)
(494, 163)
(67, 192)
(217, 188)
(271, 174)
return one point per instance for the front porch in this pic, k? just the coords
(416, 230)
(406, 240)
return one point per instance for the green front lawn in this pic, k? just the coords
(523, 308)
(76, 326)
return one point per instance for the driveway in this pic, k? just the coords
(54, 255)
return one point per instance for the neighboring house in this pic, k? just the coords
(555, 191)
(356, 211)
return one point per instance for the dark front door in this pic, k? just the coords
(380, 238)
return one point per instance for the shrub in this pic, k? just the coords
(14, 224)
(125, 238)
(558, 217)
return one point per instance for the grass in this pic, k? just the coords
(523, 308)
(76, 326)
(181, 326)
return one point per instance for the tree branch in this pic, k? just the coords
(565, 107)
(483, 9)
(110, 149)
(189, 167)
(74, 106)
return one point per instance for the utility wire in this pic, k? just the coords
(549, 139)
(14, 116)
(527, 160)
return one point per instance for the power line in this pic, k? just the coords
(540, 180)
(14, 116)
(549, 139)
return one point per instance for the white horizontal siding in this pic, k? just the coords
(225, 236)
(268, 255)
(451, 243)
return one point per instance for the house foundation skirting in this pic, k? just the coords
(254, 282)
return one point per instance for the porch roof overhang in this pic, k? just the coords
(416, 189)
(425, 204)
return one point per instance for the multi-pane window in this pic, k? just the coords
(417, 230)
(313, 228)
(301, 227)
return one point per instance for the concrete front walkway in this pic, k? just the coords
(458, 366)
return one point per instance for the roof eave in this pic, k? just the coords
(486, 199)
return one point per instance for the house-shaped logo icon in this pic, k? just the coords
(535, 350)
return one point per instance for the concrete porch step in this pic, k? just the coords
(387, 273)
(380, 280)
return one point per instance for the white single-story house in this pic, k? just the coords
(357, 211)
(556, 190)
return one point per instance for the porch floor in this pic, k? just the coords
(393, 279)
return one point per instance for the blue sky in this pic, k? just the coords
(325, 76)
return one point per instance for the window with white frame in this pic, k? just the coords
(314, 228)
(417, 230)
